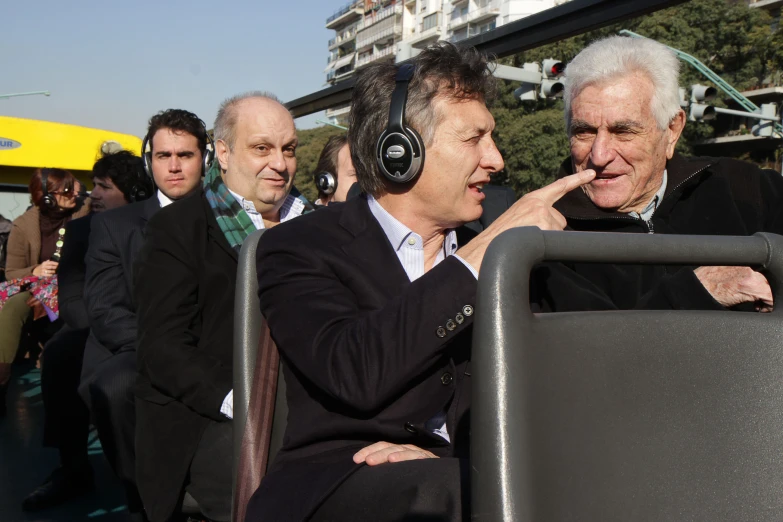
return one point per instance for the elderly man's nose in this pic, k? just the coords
(602, 152)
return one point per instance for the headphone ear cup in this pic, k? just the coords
(400, 156)
(49, 201)
(326, 183)
(209, 157)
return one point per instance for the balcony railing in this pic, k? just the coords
(456, 37)
(428, 28)
(370, 39)
(346, 36)
(344, 9)
(475, 14)
(381, 14)
(375, 56)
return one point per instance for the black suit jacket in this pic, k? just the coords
(366, 353)
(71, 273)
(116, 238)
(185, 277)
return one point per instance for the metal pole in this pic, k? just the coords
(332, 124)
(32, 93)
(745, 114)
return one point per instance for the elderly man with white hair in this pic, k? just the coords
(624, 119)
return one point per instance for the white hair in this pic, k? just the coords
(226, 119)
(618, 56)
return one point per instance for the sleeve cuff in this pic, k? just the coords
(468, 266)
(227, 408)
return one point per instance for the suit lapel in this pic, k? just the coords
(369, 246)
(149, 208)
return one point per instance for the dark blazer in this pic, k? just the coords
(184, 297)
(705, 196)
(367, 355)
(115, 241)
(71, 273)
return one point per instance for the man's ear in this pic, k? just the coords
(674, 132)
(222, 151)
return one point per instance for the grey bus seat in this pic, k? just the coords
(625, 415)
(260, 408)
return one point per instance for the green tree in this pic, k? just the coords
(311, 142)
(737, 42)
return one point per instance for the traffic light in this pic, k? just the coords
(528, 90)
(531, 76)
(553, 68)
(551, 86)
(702, 93)
(700, 112)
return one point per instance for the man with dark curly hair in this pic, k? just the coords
(371, 302)
(116, 178)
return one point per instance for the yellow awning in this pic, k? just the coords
(34, 143)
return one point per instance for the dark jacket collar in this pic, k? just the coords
(149, 207)
(369, 245)
(681, 171)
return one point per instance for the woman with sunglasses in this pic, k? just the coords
(33, 247)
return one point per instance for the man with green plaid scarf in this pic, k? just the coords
(185, 293)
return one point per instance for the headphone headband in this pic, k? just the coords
(400, 98)
(47, 199)
(208, 154)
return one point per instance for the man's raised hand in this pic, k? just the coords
(534, 209)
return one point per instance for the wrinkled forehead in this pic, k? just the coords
(256, 116)
(624, 98)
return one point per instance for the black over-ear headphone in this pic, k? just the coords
(48, 200)
(326, 183)
(208, 154)
(139, 191)
(400, 150)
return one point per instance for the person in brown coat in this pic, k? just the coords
(31, 245)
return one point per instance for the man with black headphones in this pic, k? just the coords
(371, 305)
(118, 179)
(334, 173)
(176, 151)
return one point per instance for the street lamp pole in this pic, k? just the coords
(32, 93)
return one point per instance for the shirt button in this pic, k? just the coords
(460, 318)
(441, 332)
(467, 310)
(410, 428)
(450, 325)
(446, 378)
(411, 241)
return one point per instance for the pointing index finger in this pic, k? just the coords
(554, 191)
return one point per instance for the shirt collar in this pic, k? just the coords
(163, 199)
(292, 206)
(648, 211)
(398, 234)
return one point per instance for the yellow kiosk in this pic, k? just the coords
(29, 144)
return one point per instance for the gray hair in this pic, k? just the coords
(226, 119)
(618, 56)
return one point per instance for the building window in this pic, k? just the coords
(430, 21)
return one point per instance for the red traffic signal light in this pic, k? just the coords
(553, 68)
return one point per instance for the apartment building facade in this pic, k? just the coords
(367, 31)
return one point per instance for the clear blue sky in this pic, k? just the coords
(112, 64)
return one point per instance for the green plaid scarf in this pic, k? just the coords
(233, 220)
